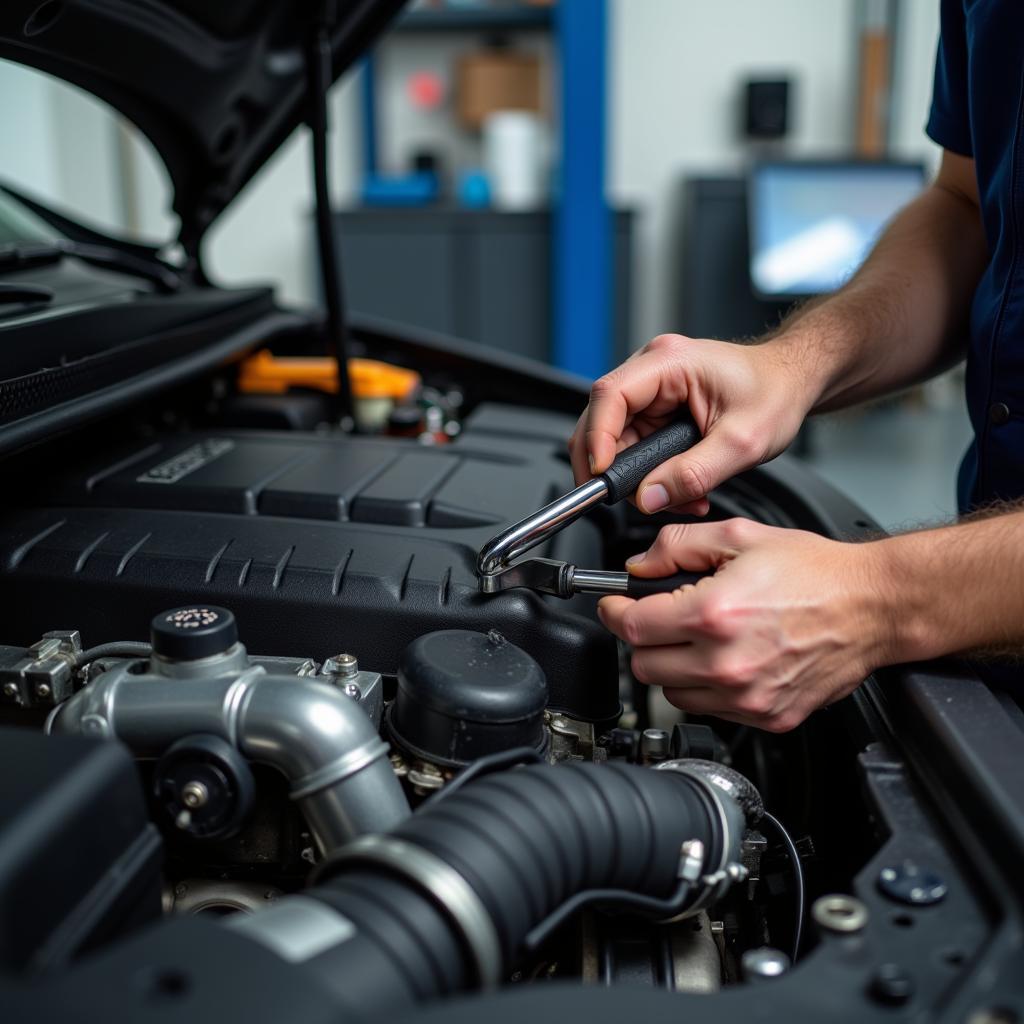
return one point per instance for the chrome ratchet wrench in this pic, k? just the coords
(498, 569)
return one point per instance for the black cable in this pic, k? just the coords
(319, 65)
(798, 877)
(503, 760)
(117, 649)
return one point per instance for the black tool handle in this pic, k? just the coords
(641, 586)
(623, 476)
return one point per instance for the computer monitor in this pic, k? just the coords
(812, 224)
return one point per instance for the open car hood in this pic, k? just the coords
(216, 87)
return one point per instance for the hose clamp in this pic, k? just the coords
(340, 769)
(444, 885)
(714, 879)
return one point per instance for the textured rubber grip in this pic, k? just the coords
(639, 586)
(632, 465)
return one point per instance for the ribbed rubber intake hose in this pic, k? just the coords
(446, 900)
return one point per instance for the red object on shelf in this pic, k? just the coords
(425, 89)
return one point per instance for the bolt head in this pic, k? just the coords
(892, 985)
(342, 665)
(194, 794)
(908, 882)
(764, 963)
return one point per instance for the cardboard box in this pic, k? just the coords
(496, 80)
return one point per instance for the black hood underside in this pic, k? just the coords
(216, 86)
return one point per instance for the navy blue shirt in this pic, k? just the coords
(977, 109)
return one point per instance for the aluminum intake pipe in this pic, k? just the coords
(316, 736)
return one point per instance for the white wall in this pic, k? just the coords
(58, 143)
(28, 145)
(676, 69)
(917, 38)
(267, 233)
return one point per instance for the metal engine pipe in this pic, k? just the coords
(316, 736)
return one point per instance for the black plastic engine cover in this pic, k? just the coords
(67, 885)
(317, 544)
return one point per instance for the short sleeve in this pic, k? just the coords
(949, 122)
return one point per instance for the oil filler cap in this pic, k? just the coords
(463, 694)
(193, 632)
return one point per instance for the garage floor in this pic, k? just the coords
(898, 461)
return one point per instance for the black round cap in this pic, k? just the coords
(193, 631)
(463, 694)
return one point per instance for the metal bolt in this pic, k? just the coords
(891, 984)
(908, 882)
(654, 744)
(839, 913)
(353, 691)
(737, 872)
(425, 777)
(194, 794)
(10, 690)
(764, 964)
(344, 665)
(43, 690)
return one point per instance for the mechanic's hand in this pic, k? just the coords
(790, 621)
(746, 400)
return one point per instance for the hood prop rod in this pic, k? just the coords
(319, 75)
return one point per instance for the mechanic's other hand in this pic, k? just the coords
(746, 400)
(790, 621)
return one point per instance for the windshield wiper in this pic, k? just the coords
(21, 255)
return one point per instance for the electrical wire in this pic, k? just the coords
(117, 649)
(798, 878)
(319, 60)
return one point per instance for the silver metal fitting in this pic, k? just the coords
(764, 964)
(691, 860)
(839, 913)
(445, 885)
(194, 794)
(344, 665)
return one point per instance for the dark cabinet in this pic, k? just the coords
(482, 275)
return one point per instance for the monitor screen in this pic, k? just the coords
(813, 224)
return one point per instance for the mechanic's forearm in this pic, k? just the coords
(903, 316)
(952, 590)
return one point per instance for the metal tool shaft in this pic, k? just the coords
(535, 529)
(598, 581)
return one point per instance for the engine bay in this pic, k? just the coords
(407, 764)
(275, 746)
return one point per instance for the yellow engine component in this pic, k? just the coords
(267, 374)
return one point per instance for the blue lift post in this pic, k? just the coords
(583, 288)
(368, 102)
